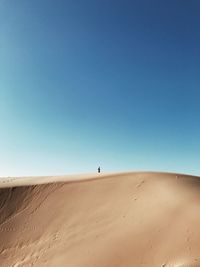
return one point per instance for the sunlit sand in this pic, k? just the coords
(100, 220)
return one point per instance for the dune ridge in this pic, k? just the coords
(105, 220)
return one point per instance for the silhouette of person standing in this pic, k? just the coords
(99, 170)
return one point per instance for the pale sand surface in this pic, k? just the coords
(106, 220)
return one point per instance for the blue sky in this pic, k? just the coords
(89, 83)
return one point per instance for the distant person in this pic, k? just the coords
(99, 170)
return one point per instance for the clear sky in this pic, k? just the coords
(99, 82)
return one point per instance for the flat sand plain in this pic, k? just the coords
(105, 220)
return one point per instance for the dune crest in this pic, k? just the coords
(111, 220)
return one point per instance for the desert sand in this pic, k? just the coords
(105, 220)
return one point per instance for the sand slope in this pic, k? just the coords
(115, 220)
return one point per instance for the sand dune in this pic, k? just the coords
(110, 220)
